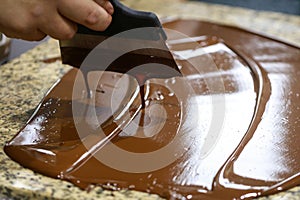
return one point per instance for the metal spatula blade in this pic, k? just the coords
(74, 51)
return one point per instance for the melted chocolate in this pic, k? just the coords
(233, 120)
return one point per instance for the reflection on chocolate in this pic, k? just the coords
(235, 114)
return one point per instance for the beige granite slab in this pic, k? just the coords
(25, 80)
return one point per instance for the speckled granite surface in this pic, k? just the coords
(25, 80)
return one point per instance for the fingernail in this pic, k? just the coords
(109, 7)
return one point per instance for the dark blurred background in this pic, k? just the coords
(284, 6)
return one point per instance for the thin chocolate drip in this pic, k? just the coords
(86, 83)
(142, 93)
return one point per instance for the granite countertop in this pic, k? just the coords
(25, 80)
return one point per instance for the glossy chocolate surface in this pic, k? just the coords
(229, 128)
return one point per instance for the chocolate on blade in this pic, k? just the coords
(227, 129)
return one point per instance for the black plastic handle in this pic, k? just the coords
(124, 19)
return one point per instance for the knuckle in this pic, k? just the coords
(68, 34)
(93, 16)
(103, 24)
(106, 22)
(37, 11)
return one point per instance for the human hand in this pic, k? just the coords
(34, 19)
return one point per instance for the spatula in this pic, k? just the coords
(152, 40)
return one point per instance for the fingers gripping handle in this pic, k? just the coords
(125, 18)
